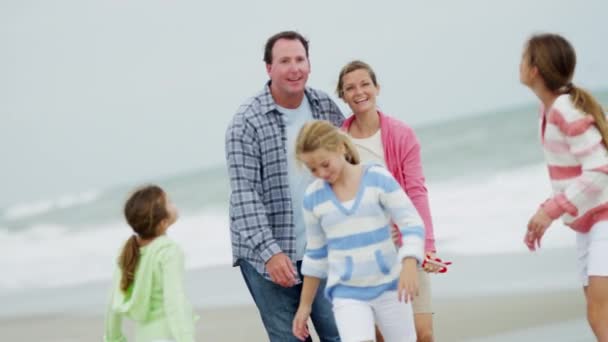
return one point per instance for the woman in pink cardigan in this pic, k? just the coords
(384, 140)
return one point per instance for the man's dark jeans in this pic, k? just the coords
(278, 306)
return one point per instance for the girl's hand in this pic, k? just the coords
(300, 328)
(408, 280)
(537, 226)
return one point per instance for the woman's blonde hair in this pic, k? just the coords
(350, 67)
(555, 59)
(318, 134)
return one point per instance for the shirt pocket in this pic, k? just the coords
(347, 273)
(381, 261)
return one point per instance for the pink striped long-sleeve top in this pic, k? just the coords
(578, 165)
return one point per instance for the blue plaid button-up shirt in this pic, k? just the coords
(261, 215)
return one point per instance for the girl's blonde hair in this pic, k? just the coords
(144, 211)
(555, 59)
(318, 134)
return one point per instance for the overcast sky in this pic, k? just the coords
(97, 93)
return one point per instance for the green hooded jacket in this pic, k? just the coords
(156, 300)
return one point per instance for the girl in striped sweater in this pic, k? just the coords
(574, 136)
(348, 211)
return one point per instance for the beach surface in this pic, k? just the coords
(492, 318)
(502, 297)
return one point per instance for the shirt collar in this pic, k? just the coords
(270, 106)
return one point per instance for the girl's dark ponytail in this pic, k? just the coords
(128, 262)
(144, 211)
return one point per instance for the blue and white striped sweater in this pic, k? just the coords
(353, 248)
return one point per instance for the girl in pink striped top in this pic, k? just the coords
(574, 136)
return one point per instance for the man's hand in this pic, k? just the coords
(281, 270)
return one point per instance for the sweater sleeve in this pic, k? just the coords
(586, 145)
(403, 213)
(113, 321)
(314, 263)
(178, 311)
(416, 190)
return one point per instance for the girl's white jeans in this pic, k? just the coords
(356, 318)
(592, 252)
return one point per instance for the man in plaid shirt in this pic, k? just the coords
(267, 186)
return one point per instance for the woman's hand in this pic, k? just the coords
(428, 267)
(408, 280)
(300, 328)
(396, 236)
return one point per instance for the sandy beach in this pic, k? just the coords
(457, 319)
(492, 298)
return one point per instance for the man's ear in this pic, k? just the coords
(268, 68)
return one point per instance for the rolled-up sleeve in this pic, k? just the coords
(248, 214)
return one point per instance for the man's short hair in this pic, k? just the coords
(289, 35)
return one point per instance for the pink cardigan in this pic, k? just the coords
(402, 157)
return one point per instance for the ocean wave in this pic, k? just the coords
(25, 210)
(51, 255)
(472, 216)
(489, 215)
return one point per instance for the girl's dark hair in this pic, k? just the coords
(144, 211)
(555, 59)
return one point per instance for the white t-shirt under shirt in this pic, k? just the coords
(348, 204)
(299, 176)
(370, 149)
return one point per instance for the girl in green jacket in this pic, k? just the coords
(148, 281)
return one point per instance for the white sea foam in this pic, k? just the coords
(490, 215)
(471, 217)
(50, 256)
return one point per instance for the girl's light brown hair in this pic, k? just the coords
(144, 211)
(555, 59)
(319, 134)
(350, 67)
